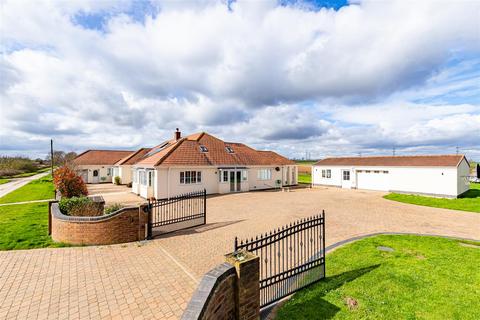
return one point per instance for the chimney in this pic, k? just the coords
(178, 135)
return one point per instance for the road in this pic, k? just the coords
(18, 183)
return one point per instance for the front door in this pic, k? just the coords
(95, 176)
(346, 179)
(235, 180)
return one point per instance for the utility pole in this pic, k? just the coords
(456, 150)
(393, 151)
(51, 155)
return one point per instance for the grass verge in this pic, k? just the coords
(2, 181)
(470, 201)
(423, 278)
(40, 189)
(25, 226)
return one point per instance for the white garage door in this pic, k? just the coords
(373, 180)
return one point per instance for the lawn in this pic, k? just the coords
(39, 189)
(423, 278)
(470, 201)
(2, 181)
(304, 178)
(25, 226)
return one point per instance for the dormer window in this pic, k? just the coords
(203, 149)
(229, 149)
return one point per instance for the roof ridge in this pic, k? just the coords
(395, 156)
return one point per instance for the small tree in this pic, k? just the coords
(68, 183)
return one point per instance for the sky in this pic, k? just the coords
(303, 78)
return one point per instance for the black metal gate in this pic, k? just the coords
(176, 213)
(290, 258)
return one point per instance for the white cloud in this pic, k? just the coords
(255, 71)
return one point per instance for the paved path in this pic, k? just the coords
(25, 202)
(155, 279)
(17, 183)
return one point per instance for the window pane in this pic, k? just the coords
(193, 176)
(182, 177)
(244, 175)
(225, 176)
(187, 177)
(199, 176)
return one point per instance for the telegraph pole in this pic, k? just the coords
(393, 151)
(51, 155)
(456, 150)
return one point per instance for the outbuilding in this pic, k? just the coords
(95, 166)
(432, 175)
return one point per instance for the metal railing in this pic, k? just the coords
(290, 258)
(181, 208)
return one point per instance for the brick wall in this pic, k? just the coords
(230, 291)
(215, 295)
(125, 225)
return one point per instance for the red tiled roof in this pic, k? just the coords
(133, 157)
(186, 151)
(100, 157)
(395, 161)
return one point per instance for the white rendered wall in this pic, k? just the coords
(442, 181)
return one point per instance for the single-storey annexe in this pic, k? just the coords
(95, 166)
(123, 168)
(432, 175)
(202, 161)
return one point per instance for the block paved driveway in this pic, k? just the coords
(155, 279)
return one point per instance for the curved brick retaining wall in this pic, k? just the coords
(124, 225)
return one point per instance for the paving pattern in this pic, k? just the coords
(131, 281)
(155, 279)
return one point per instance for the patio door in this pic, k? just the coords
(235, 180)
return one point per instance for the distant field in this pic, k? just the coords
(304, 178)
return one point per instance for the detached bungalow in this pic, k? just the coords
(435, 175)
(202, 161)
(123, 168)
(94, 166)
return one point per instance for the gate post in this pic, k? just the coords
(247, 297)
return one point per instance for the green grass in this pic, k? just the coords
(424, 278)
(2, 181)
(304, 178)
(470, 201)
(25, 226)
(39, 189)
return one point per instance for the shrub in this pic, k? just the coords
(80, 207)
(68, 183)
(129, 185)
(117, 180)
(113, 207)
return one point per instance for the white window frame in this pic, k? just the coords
(324, 173)
(264, 174)
(346, 173)
(190, 177)
(329, 174)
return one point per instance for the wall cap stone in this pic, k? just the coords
(60, 216)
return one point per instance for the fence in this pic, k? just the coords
(179, 212)
(290, 258)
